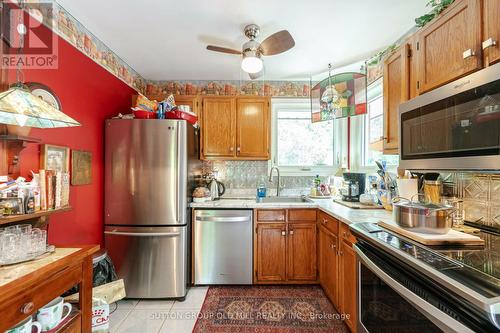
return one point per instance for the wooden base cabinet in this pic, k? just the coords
(328, 264)
(285, 246)
(271, 252)
(347, 284)
(302, 265)
(337, 267)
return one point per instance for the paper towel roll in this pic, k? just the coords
(407, 188)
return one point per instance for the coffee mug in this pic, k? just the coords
(52, 314)
(25, 327)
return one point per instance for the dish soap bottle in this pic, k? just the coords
(261, 190)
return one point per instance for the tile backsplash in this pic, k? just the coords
(241, 178)
(480, 193)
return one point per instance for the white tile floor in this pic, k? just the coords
(158, 316)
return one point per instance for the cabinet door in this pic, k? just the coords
(218, 127)
(396, 90)
(252, 128)
(271, 252)
(491, 31)
(190, 100)
(302, 264)
(328, 264)
(348, 284)
(449, 47)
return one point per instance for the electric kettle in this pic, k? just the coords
(217, 189)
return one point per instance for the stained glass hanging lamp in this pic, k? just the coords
(18, 106)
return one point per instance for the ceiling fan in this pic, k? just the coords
(252, 51)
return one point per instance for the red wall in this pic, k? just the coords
(89, 94)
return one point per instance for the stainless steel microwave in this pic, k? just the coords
(454, 127)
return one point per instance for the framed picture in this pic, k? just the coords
(54, 158)
(11, 206)
(81, 172)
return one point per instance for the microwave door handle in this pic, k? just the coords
(143, 234)
(439, 318)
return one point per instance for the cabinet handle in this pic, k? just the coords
(325, 221)
(345, 234)
(468, 53)
(27, 308)
(341, 253)
(283, 233)
(231, 149)
(291, 232)
(333, 246)
(489, 43)
(238, 150)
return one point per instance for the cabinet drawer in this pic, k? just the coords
(301, 215)
(271, 215)
(345, 233)
(31, 300)
(329, 222)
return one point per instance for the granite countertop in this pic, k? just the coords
(338, 211)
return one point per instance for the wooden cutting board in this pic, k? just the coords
(453, 237)
(357, 205)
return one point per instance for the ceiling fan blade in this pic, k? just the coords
(222, 49)
(277, 43)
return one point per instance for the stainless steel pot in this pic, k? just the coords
(426, 218)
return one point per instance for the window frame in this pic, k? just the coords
(339, 136)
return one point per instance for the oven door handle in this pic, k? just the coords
(439, 318)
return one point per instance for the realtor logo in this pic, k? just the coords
(27, 41)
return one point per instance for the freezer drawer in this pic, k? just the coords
(223, 247)
(152, 261)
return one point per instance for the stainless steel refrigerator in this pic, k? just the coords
(150, 171)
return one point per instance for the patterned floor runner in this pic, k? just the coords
(268, 309)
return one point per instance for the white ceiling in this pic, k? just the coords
(166, 40)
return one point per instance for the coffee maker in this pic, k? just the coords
(354, 186)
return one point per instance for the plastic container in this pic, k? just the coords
(177, 114)
(143, 114)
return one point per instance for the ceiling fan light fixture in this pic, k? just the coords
(251, 63)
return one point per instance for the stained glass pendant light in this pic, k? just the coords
(18, 106)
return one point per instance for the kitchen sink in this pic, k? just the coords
(284, 200)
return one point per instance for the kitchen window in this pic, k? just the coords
(374, 128)
(301, 147)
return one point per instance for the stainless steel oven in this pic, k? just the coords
(456, 126)
(404, 287)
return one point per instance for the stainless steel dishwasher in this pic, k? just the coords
(223, 246)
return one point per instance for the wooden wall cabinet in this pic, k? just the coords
(285, 246)
(218, 125)
(193, 101)
(235, 128)
(450, 46)
(396, 90)
(491, 32)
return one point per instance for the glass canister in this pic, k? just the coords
(432, 191)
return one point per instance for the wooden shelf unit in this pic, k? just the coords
(42, 216)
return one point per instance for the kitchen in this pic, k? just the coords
(213, 172)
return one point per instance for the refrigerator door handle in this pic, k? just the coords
(144, 234)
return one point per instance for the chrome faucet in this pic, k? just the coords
(271, 179)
